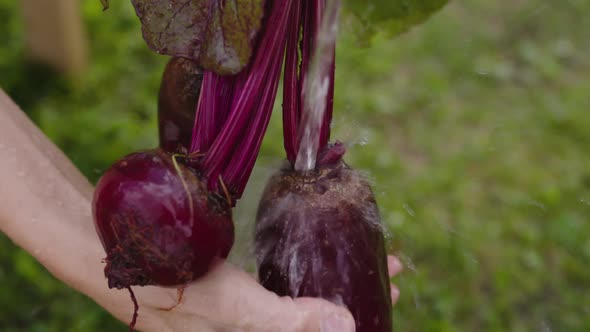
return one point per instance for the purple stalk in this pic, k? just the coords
(291, 86)
(307, 116)
(212, 109)
(238, 173)
(316, 85)
(233, 112)
(327, 122)
(331, 18)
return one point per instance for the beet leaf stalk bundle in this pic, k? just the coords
(318, 229)
(164, 215)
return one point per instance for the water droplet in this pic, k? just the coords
(537, 204)
(409, 210)
(363, 141)
(407, 261)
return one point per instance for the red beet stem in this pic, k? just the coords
(305, 23)
(237, 173)
(233, 112)
(291, 86)
(327, 119)
(212, 109)
(135, 309)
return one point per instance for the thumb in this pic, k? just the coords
(318, 315)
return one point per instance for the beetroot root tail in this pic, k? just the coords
(135, 310)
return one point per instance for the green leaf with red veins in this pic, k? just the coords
(392, 17)
(218, 34)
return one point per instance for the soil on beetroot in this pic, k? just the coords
(158, 223)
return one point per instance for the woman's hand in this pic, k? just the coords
(46, 205)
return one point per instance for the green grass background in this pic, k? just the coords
(475, 128)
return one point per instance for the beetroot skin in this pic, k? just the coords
(158, 223)
(319, 234)
(177, 103)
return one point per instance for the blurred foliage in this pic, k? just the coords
(389, 16)
(474, 128)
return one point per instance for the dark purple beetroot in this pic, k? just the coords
(177, 103)
(320, 235)
(158, 223)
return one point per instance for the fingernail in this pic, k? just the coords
(394, 294)
(337, 323)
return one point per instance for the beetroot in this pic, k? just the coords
(177, 103)
(157, 221)
(319, 234)
(318, 229)
(164, 215)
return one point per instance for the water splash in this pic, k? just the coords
(409, 210)
(316, 87)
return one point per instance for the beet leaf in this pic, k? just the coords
(219, 34)
(392, 17)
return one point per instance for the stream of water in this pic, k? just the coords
(316, 87)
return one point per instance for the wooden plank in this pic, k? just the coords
(55, 34)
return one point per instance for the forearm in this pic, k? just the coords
(46, 208)
(40, 187)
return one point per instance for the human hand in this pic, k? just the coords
(46, 206)
(229, 299)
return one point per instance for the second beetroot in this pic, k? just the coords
(319, 234)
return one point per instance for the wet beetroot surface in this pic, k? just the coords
(320, 235)
(177, 103)
(158, 223)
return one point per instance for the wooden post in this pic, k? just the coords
(55, 34)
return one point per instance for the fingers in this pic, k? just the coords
(394, 266)
(394, 294)
(323, 316)
(329, 317)
(228, 299)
